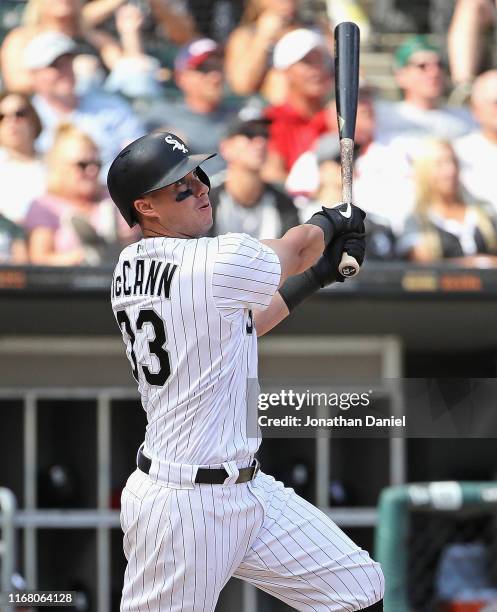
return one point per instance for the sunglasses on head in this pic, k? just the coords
(83, 164)
(21, 113)
(425, 65)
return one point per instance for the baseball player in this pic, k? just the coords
(198, 509)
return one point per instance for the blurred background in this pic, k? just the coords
(253, 81)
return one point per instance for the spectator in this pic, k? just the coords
(135, 74)
(444, 224)
(184, 20)
(74, 221)
(477, 152)
(106, 118)
(421, 77)
(63, 16)
(328, 191)
(382, 178)
(22, 175)
(243, 202)
(264, 22)
(200, 119)
(296, 124)
(13, 249)
(464, 42)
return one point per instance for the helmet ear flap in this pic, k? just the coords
(203, 177)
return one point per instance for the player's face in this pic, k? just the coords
(184, 208)
(424, 75)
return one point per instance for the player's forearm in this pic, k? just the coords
(309, 244)
(299, 249)
(265, 320)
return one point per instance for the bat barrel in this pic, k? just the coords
(347, 40)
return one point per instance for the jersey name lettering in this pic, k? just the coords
(145, 277)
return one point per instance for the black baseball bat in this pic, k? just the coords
(347, 40)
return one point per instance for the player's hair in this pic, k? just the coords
(423, 173)
(56, 174)
(32, 15)
(32, 114)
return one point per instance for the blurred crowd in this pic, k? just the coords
(253, 81)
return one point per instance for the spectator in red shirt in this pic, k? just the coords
(296, 124)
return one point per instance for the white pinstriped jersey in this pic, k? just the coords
(184, 307)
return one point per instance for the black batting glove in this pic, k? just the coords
(326, 268)
(341, 219)
(355, 245)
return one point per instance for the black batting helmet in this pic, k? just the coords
(147, 164)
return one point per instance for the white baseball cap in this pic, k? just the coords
(45, 48)
(294, 46)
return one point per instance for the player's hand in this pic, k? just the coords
(342, 219)
(326, 268)
(346, 218)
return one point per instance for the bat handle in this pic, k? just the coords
(348, 266)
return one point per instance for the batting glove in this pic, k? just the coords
(339, 220)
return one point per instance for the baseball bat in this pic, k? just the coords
(346, 94)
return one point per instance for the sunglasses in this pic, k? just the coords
(210, 65)
(84, 164)
(21, 113)
(425, 65)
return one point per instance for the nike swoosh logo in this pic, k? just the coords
(347, 213)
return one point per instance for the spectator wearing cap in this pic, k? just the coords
(201, 116)
(105, 117)
(243, 201)
(22, 173)
(477, 151)
(74, 19)
(296, 124)
(421, 76)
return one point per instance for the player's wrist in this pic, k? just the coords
(298, 288)
(325, 223)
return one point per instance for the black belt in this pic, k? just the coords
(205, 475)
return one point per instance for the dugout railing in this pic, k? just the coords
(437, 542)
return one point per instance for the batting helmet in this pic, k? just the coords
(147, 164)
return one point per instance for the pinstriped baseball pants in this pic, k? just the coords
(182, 546)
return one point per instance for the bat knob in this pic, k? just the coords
(348, 266)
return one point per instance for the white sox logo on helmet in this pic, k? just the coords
(175, 144)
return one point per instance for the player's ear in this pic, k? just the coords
(145, 207)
